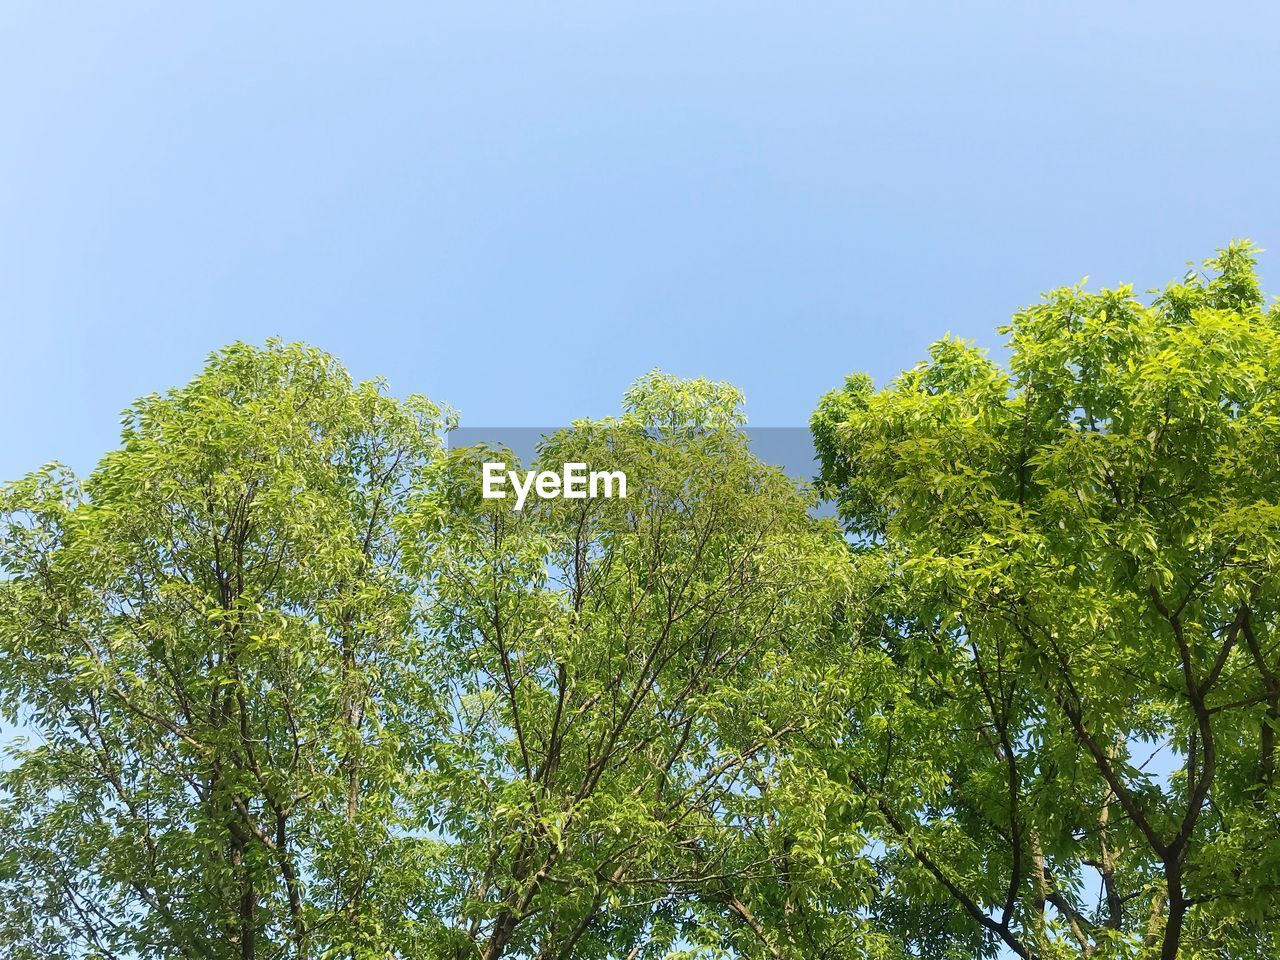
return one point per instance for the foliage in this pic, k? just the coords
(1071, 565)
(287, 686)
(211, 643)
(614, 690)
(296, 690)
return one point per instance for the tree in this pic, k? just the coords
(1068, 567)
(615, 694)
(212, 646)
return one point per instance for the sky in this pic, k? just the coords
(519, 208)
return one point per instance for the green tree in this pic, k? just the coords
(212, 646)
(615, 693)
(1067, 566)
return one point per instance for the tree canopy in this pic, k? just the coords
(1071, 562)
(281, 683)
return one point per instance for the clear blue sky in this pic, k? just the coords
(518, 208)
